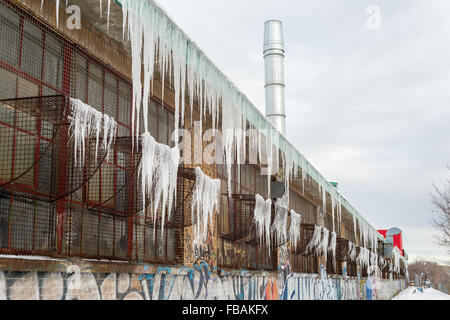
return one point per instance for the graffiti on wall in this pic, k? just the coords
(200, 253)
(196, 283)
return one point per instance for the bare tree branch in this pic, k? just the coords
(440, 200)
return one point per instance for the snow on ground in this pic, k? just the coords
(414, 293)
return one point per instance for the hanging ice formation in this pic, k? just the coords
(381, 262)
(322, 248)
(109, 10)
(332, 247)
(158, 171)
(319, 241)
(315, 239)
(397, 257)
(205, 200)
(262, 217)
(405, 263)
(390, 267)
(83, 121)
(294, 229)
(373, 267)
(363, 258)
(153, 36)
(279, 225)
(351, 251)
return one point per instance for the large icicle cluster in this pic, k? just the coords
(351, 251)
(85, 120)
(373, 266)
(205, 200)
(363, 258)
(153, 36)
(294, 229)
(397, 257)
(319, 241)
(158, 171)
(315, 239)
(262, 217)
(279, 226)
(381, 262)
(332, 247)
(367, 235)
(322, 248)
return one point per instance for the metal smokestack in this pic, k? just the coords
(274, 64)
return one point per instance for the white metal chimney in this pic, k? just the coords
(274, 80)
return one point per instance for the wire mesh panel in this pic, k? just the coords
(37, 168)
(301, 260)
(238, 244)
(342, 246)
(27, 224)
(38, 155)
(29, 138)
(118, 226)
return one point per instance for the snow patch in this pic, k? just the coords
(415, 293)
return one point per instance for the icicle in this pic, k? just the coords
(315, 240)
(205, 200)
(351, 251)
(396, 260)
(373, 267)
(339, 215)
(324, 199)
(158, 170)
(57, 13)
(262, 217)
(363, 258)
(333, 205)
(101, 8)
(42, 3)
(279, 226)
(381, 262)
(294, 229)
(109, 10)
(322, 248)
(332, 247)
(83, 120)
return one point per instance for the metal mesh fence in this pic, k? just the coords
(48, 204)
(301, 260)
(239, 246)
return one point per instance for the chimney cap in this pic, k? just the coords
(273, 35)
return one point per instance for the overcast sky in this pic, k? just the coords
(368, 108)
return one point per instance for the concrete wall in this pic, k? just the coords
(196, 283)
